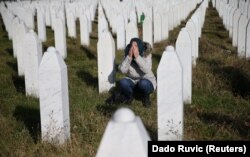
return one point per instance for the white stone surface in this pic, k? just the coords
(231, 16)
(120, 32)
(106, 62)
(32, 59)
(125, 136)
(60, 37)
(88, 15)
(195, 20)
(169, 96)
(15, 23)
(131, 32)
(242, 31)
(193, 36)
(29, 19)
(41, 26)
(236, 19)
(84, 30)
(54, 98)
(21, 32)
(102, 25)
(184, 51)
(157, 27)
(248, 42)
(148, 31)
(164, 27)
(132, 17)
(47, 16)
(71, 25)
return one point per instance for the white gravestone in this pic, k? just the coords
(125, 136)
(120, 32)
(242, 31)
(192, 34)
(32, 59)
(15, 23)
(157, 27)
(164, 27)
(88, 15)
(106, 62)
(84, 30)
(60, 37)
(131, 32)
(21, 32)
(231, 16)
(47, 16)
(248, 42)
(195, 20)
(236, 19)
(102, 25)
(148, 31)
(41, 26)
(54, 98)
(29, 19)
(71, 24)
(169, 96)
(184, 51)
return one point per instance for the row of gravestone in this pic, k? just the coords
(160, 19)
(236, 19)
(54, 90)
(48, 13)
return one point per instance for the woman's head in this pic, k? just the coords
(136, 42)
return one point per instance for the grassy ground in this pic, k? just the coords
(220, 108)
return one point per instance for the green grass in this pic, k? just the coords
(220, 106)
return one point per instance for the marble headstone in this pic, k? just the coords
(84, 30)
(60, 37)
(248, 42)
(32, 59)
(106, 62)
(242, 32)
(131, 32)
(148, 31)
(120, 32)
(125, 136)
(192, 34)
(169, 96)
(41, 26)
(184, 51)
(54, 98)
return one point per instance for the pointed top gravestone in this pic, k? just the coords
(54, 98)
(148, 31)
(60, 37)
(106, 62)
(125, 136)
(32, 59)
(169, 96)
(184, 51)
(131, 32)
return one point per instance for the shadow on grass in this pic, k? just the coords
(12, 65)
(9, 51)
(31, 118)
(237, 124)
(152, 133)
(88, 78)
(19, 84)
(89, 53)
(239, 82)
(107, 110)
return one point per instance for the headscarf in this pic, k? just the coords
(139, 44)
